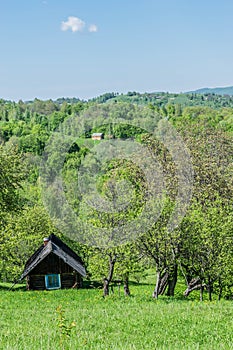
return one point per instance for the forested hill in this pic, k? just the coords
(214, 98)
(160, 99)
(200, 248)
(29, 124)
(218, 91)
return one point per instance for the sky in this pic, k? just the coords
(84, 48)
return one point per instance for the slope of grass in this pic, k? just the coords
(29, 321)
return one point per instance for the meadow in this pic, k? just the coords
(86, 320)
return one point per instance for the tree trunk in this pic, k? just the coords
(107, 280)
(106, 287)
(172, 280)
(126, 285)
(156, 290)
(220, 289)
(210, 288)
(161, 284)
(194, 284)
(201, 291)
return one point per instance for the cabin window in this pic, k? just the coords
(52, 281)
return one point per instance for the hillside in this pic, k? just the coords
(160, 99)
(228, 90)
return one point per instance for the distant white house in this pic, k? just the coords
(97, 136)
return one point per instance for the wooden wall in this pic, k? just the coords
(52, 264)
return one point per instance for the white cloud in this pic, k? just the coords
(93, 28)
(75, 24)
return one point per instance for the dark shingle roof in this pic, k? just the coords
(58, 247)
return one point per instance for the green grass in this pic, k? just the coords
(28, 320)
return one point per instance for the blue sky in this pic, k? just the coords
(66, 48)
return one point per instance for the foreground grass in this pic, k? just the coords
(28, 320)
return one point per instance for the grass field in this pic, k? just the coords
(29, 320)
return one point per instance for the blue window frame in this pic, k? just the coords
(53, 281)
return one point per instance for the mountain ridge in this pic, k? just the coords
(227, 90)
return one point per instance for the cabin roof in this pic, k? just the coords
(97, 134)
(59, 248)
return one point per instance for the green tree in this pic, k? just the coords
(19, 237)
(11, 176)
(206, 248)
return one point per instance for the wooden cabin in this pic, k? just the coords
(53, 266)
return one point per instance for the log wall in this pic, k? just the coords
(52, 264)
